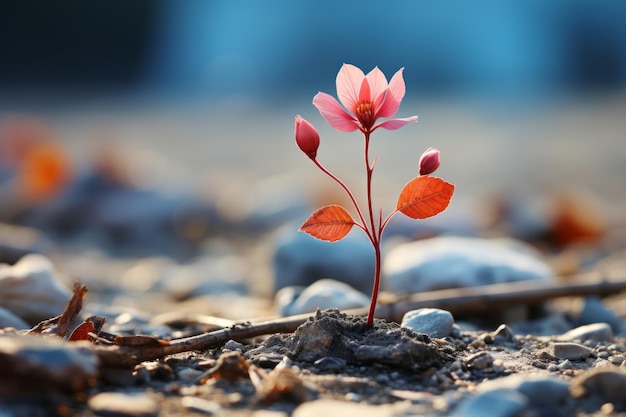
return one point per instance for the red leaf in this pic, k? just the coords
(424, 197)
(82, 332)
(330, 223)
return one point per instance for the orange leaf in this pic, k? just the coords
(82, 332)
(330, 223)
(424, 197)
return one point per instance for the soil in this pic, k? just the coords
(331, 356)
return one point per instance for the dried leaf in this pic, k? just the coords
(330, 223)
(424, 197)
(81, 332)
(72, 309)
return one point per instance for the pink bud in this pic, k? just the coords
(429, 161)
(307, 137)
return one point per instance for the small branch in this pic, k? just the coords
(491, 298)
(72, 309)
(475, 300)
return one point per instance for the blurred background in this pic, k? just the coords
(525, 99)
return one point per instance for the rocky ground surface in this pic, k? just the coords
(188, 297)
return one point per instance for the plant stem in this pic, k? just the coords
(347, 190)
(375, 233)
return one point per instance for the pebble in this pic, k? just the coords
(448, 262)
(114, 404)
(493, 403)
(200, 405)
(341, 408)
(19, 241)
(330, 363)
(595, 311)
(323, 294)
(299, 259)
(32, 289)
(36, 364)
(234, 345)
(479, 361)
(432, 321)
(8, 319)
(224, 273)
(571, 351)
(595, 331)
(124, 219)
(607, 384)
(270, 203)
(540, 390)
(503, 334)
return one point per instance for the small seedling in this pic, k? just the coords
(367, 99)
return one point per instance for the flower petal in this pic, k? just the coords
(378, 85)
(349, 80)
(395, 94)
(393, 124)
(335, 115)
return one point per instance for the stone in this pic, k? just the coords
(493, 403)
(595, 331)
(19, 241)
(299, 259)
(32, 289)
(323, 294)
(540, 390)
(117, 404)
(209, 275)
(272, 202)
(200, 405)
(605, 384)
(341, 408)
(8, 319)
(503, 334)
(571, 351)
(432, 321)
(595, 311)
(450, 262)
(36, 364)
(479, 361)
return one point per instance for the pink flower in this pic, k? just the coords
(307, 137)
(367, 97)
(429, 161)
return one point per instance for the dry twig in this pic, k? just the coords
(475, 300)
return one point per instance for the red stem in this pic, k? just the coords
(374, 236)
(347, 190)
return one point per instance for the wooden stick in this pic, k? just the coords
(475, 300)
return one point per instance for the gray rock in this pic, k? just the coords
(271, 202)
(594, 311)
(8, 319)
(432, 321)
(200, 405)
(323, 294)
(35, 364)
(341, 408)
(571, 351)
(503, 334)
(595, 331)
(124, 404)
(19, 241)
(32, 290)
(449, 262)
(540, 390)
(479, 361)
(300, 259)
(494, 403)
(604, 385)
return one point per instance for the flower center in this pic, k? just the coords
(365, 113)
